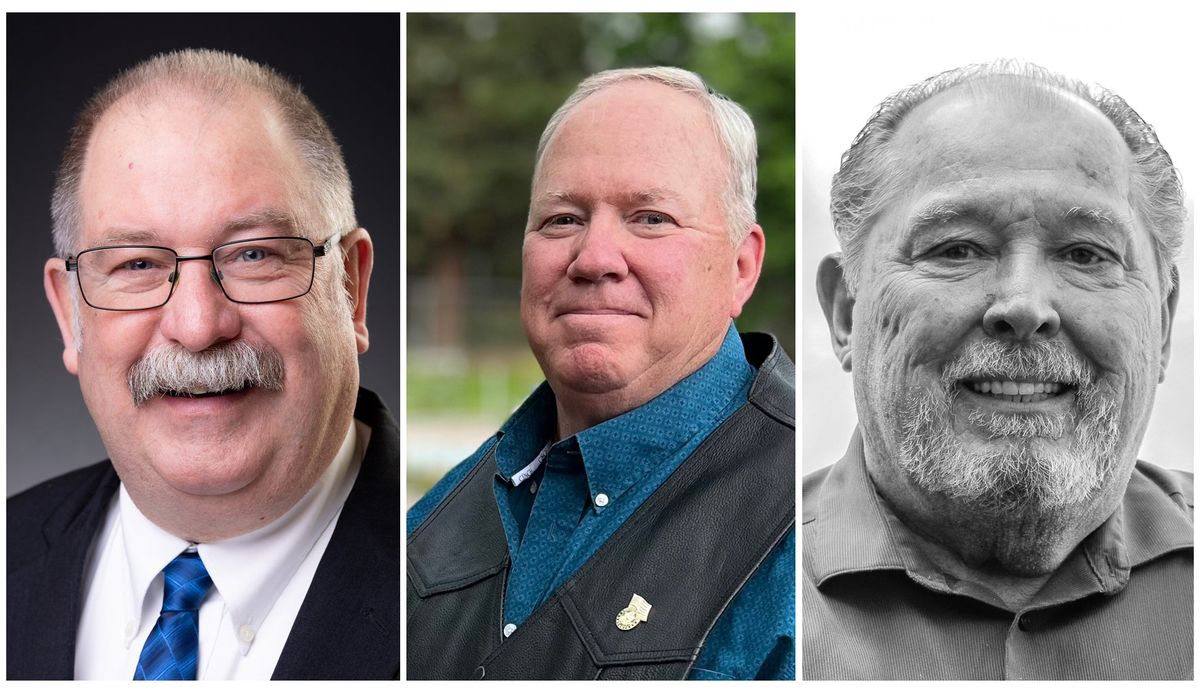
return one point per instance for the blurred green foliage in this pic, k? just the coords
(480, 89)
(486, 383)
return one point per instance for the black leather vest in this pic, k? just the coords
(687, 550)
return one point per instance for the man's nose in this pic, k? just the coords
(599, 251)
(1023, 306)
(198, 315)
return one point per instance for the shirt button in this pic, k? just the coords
(509, 628)
(533, 487)
(601, 500)
(130, 629)
(246, 634)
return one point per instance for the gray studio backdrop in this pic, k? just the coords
(349, 65)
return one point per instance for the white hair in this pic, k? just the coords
(733, 126)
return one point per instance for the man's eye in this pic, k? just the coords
(139, 264)
(956, 251)
(253, 255)
(651, 218)
(562, 220)
(1083, 255)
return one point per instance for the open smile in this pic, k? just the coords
(204, 392)
(1016, 390)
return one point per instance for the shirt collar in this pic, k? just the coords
(250, 570)
(848, 529)
(618, 452)
(844, 531)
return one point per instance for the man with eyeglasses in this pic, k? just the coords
(211, 291)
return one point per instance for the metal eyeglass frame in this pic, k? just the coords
(319, 250)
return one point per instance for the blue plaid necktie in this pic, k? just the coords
(170, 652)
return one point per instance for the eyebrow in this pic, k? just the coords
(129, 236)
(938, 214)
(941, 213)
(270, 217)
(275, 219)
(630, 199)
(1101, 217)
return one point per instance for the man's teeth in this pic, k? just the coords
(1017, 391)
(201, 391)
(1009, 387)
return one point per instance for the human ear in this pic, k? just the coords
(57, 283)
(837, 304)
(1168, 320)
(747, 267)
(359, 254)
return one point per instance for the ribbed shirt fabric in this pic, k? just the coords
(558, 513)
(1119, 607)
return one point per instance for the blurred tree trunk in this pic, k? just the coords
(449, 298)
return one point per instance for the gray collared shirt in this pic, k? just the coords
(1119, 607)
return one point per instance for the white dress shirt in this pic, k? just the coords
(259, 579)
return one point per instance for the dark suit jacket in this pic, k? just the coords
(347, 628)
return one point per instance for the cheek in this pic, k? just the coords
(543, 264)
(1120, 335)
(696, 278)
(116, 340)
(111, 343)
(914, 322)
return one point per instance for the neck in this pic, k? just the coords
(1010, 552)
(208, 519)
(579, 410)
(203, 519)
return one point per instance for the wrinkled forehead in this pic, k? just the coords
(1006, 122)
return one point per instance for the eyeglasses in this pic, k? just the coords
(254, 270)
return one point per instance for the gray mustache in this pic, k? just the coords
(1048, 361)
(228, 366)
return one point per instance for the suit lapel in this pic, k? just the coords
(45, 595)
(349, 624)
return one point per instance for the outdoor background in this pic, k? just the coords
(480, 89)
(882, 47)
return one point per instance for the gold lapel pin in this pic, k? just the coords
(637, 611)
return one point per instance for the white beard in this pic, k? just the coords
(1025, 467)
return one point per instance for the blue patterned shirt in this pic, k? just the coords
(558, 514)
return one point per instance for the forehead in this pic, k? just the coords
(179, 160)
(1011, 140)
(634, 132)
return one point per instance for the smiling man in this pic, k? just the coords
(635, 517)
(211, 293)
(1004, 300)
